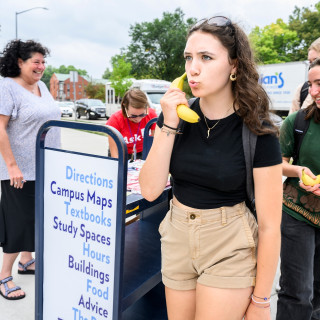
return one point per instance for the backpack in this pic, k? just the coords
(300, 128)
(304, 92)
(249, 141)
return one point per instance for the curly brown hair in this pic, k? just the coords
(18, 49)
(249, 95)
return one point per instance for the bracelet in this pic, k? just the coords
(265, 298)
(265, 307)
(168, 132)
(259, 302)
(176, 129)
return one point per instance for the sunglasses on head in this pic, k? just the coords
(218, 21)
(134, 116)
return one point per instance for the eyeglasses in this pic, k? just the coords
(218, 21)
(134, 116)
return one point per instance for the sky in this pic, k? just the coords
(87, 33)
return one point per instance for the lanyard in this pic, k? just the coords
(134, 154)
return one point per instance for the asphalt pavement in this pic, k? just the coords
(23, 309)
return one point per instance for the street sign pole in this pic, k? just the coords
(74, 79)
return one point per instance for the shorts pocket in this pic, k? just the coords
(162, 227)
(251, 228)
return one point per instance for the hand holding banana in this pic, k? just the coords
(308, 181)
(184, 112)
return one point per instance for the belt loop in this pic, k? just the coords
(223, 216)
(241, 208)
(171, 209)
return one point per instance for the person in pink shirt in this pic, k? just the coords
(130, 121)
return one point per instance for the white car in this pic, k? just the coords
(66, 108)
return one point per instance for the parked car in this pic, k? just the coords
(90, 108)
(68, 103)
(65, 108)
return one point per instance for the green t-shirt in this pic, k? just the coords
(297, 202)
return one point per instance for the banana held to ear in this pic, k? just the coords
(184, 112)
(308, 181)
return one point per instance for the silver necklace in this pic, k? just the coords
(209, 129)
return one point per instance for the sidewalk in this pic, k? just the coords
(20, 309)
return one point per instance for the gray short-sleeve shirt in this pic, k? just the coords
(27, 112)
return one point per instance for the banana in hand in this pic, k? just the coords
(184, 112)
(308, 181)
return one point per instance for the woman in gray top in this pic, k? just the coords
(25, 104)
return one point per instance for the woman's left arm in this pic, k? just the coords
(268, 200)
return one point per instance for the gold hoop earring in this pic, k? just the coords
(233, 77)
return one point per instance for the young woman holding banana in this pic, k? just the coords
(216, 263)
(299, 295)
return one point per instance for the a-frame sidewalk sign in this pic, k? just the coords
(80, 201)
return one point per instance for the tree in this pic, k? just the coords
(274, 43)
(119, 78)
(66, 70)
(48, 72)
(306, 23)
(156, 48)
(107, 74)
(96, 91)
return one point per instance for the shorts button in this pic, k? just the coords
(192, 216)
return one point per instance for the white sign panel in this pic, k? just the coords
(281, 81)
(80, 201)
(73, 76)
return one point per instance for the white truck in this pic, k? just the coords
(153, 88)
(281, 81)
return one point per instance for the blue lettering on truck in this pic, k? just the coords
(272, 79)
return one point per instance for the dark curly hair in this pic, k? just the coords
(16, 49)
(249, 95)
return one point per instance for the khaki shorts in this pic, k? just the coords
(215, 247)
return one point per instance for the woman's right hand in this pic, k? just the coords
(16, 177)
(314, 189)
(169, 102)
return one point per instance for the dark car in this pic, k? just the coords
(90, 108)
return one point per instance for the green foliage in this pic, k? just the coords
(274, 43)
(156, 48)
(281, 42)
(66, 70)
(119, 78)
(96, 91)
(306, 22)
(106, 74)
(50, 70)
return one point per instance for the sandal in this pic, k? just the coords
(9, 290)
(25, 266)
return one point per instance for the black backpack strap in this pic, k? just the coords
(249, 141)
(300, 127)
(304, 92)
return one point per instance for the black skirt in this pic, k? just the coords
(17, 217)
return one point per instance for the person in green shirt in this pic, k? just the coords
(299, 295)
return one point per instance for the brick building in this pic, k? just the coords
(61, 87)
